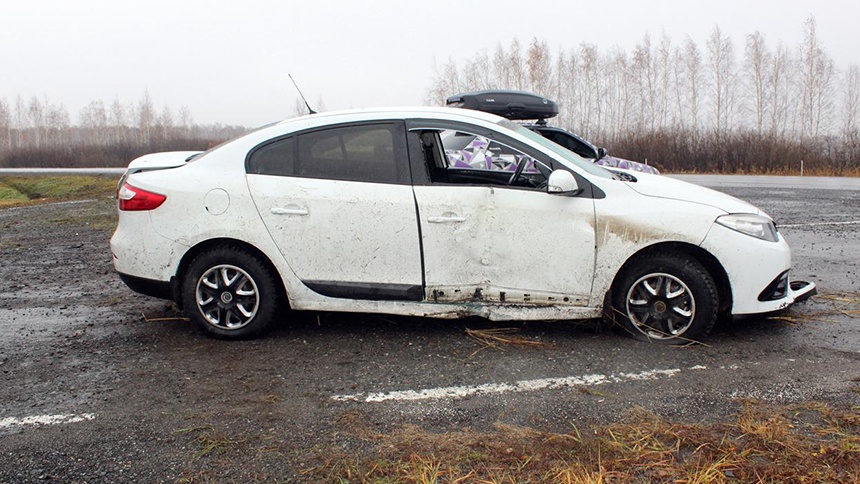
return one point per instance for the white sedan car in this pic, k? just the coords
(438, 212)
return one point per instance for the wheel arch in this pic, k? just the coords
(711, 264)
(209, 244)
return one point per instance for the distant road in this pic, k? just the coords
(810, 182)
(713, 181)
(62, 171)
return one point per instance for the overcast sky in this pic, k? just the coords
(228, 61)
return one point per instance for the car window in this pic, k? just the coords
(275, 158)
(368, 153)
(564, 139)
(562, 152)
(473, 158)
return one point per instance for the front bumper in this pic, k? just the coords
(758, 271)
(802, 290)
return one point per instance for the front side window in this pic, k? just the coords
(475, 159)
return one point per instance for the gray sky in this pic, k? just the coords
(227, 61)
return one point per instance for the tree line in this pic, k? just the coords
(720, 107)
(39, 133)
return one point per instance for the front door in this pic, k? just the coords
(491, 241)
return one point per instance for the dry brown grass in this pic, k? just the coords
(798, 443)
(498, 337)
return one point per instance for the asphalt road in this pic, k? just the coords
(103, 385)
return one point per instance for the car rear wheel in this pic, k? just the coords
(665, 298)
(230, 293)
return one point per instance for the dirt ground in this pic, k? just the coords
(159, 401)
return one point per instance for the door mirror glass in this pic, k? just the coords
(562, 182)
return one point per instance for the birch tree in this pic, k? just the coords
(722, 81)
(817, 76)
(756, 61)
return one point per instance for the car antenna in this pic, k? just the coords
(310, 110)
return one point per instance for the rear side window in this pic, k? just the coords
(275, 158)
(373, 153)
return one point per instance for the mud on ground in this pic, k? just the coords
(160, 401)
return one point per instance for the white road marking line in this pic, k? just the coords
(44, 420)
(853, 222)
(520, 386)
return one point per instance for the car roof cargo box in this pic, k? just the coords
(517, 105)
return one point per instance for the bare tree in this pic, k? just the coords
(5, 125)
(164, 124)
(501, 68)
(446, 82)
(781, 88)
(663, 64)
(723, 79)
(93, 119)
(145, 117)
(57, 124)
(515, 66)
(818, 73)
(118, 120)
(756, 61)
(645, 80)
(851, 121)
(186, 121)
(539, 64)
(36, 118)
(20, 121)
(688, 86)
(477, 75)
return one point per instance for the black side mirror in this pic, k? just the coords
(601, 153)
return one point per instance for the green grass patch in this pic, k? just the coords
(23, 190)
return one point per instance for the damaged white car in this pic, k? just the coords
(438, 212)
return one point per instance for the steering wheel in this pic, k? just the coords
(519, 171)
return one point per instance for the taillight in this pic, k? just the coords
(133, 198)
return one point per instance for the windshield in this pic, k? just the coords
(562, 152)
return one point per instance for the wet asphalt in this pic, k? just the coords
(137, 394)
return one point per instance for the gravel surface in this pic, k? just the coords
(156, 400)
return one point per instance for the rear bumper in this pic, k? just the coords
(149, 287)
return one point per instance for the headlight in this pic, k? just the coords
(751, 224)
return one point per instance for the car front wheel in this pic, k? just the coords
(666, 298)
(230, 293)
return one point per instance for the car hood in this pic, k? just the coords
(665, 187)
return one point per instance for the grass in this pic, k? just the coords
(799, 443)
(24, 190)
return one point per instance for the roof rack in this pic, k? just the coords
(514, 105)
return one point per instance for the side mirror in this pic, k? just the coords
(601, 153)
(562, 182)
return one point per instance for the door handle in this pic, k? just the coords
(291, 210)
(446, 219)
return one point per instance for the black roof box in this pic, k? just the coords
(518, 105)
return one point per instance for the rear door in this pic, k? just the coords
(338, 203)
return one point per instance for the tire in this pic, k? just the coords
(665, 298)
(230, 293)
